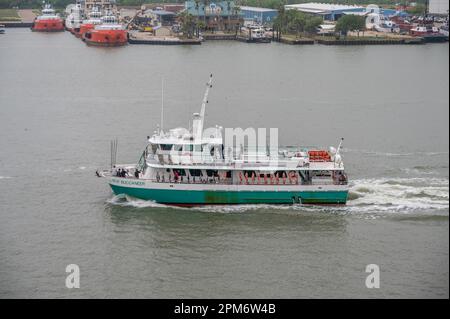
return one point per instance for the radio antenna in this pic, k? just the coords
(162, 104)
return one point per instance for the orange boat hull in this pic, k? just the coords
(108, 38)
(49, 25)
(84, 28)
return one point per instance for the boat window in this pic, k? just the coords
(180, 172)
(178, 148)
(280, 173)
(321, 173)
(249, 173)
(212, 172)
(198, 148)
(195, 172)
(189, 148)
(228, 174)
(166, 147)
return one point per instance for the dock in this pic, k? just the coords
(370, 41)
(300, 41)
(252, 40)
(150, 39)
(219, 36)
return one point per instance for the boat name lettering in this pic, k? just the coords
(127, 182)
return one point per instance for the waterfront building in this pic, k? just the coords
(439, 7)
(332, 12)
(259, 15)
(163, 17)
(218, 16)
(102, 4)
(327, 11)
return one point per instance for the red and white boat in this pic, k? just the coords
(421, 31)
(95, 18)
(109, 33)
(49, 21)
(428, 33)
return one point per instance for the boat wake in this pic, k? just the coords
(382, 195)
(127, 201)
(399, 194)
(392, 154)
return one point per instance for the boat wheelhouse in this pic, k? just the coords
(195, 167)
(49, 21)
(95, 18)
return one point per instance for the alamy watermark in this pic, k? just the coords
(373, 279)
(73, 279)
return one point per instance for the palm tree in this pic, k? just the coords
(229, 15)
(187, 23)
(236, 11)
(205, 4)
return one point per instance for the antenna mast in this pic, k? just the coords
(162, 104)
(340, 145)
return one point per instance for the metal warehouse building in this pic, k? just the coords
(438, 6)
(259, 15)
(328, 11)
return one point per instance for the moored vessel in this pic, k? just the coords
(195, 167)
(49, 21)
(428, 33)
(254, 34)
(109, 33)
(74, 17)
(94, 18)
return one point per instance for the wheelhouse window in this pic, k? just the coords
(165, 147)
(198, 148)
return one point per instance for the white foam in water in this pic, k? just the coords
(124, 200)
(5, 177)
(399, 194)
(390, 154)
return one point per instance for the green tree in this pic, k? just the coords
(188, 24)
(350, 23)
(312, 24)
(419, 9)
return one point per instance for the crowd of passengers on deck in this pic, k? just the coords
(245, 178)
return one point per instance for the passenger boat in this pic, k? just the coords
(49, 21)
(255, 34)
(75, 17)
(195, 167)
(108, 33)
(95, 18)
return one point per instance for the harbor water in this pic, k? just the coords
(61, 102)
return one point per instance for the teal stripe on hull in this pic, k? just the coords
(188, 197)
